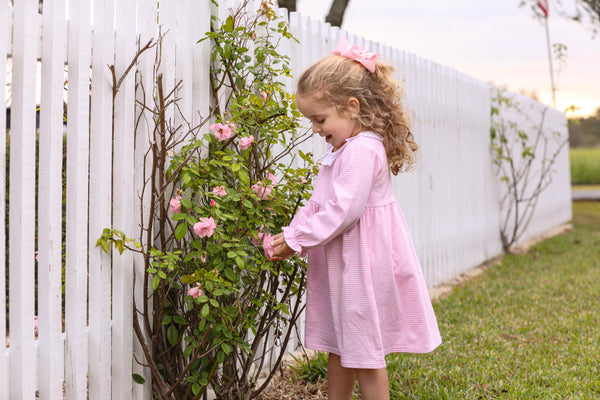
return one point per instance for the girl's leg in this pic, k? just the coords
(374, 383)
(340, 380)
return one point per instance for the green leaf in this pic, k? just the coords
(230, 274)
(172, 335)
(180, 231)
(196, 388)
(138, 378)
(186, 353)
(203, 299)
(226, 348)
(228, 26)
(205, 311)
(155, 282)
(179, 217)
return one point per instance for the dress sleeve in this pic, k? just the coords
(351, 189)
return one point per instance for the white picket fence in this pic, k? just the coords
(450, 200)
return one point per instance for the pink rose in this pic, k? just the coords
(262, 192)
(273, 180)
(264, 94)
(196, 292)
(212, 202)
(219, 191)
(205, 227)
(245, 142)
(203, 257)
(170, 153)
(175, 205)
(267, 246)
(303, 181)
(223, 131)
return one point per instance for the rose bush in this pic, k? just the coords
(219, 311)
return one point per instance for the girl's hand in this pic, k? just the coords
(281, 249)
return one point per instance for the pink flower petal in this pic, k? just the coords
(246, 142)
(220, 191)
(175, 205)
(205, 227)
(267, 246)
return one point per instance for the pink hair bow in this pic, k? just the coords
(359, 54)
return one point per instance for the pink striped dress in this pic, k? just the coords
(366, 296)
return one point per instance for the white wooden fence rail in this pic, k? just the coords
(450, 199)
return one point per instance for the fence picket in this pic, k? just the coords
(100, 356)
(123, 202)
(51, 347)
(148, 30)
(22, 202)
(5, 35)
(79, 53)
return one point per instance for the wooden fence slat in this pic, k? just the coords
(147, 29)
(123, 202)
(5, 35)
(202, 52)
(100, 357)
(22, 203)
(51, 350)
(79, 59)
(184, 62)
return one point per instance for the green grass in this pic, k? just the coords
(525, 329)
(585, 166)
(528, 328)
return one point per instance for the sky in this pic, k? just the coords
(492, 40)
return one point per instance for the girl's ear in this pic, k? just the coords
(353, 106)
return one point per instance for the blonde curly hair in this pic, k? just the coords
(335, 79)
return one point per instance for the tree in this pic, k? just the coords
(586, 12)
(585, 131)
(524, 152)
(336, 13)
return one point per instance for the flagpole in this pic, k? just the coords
(550, 64)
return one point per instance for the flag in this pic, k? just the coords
(543, 5)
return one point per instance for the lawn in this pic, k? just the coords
(527, 328)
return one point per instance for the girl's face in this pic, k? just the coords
(327, 121)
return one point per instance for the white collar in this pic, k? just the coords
(331, 155)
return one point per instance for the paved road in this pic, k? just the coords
(585, 194)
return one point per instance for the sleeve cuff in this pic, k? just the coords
(290, 239)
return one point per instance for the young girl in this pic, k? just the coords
(366, 296)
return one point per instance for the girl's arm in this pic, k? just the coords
(359, 165)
